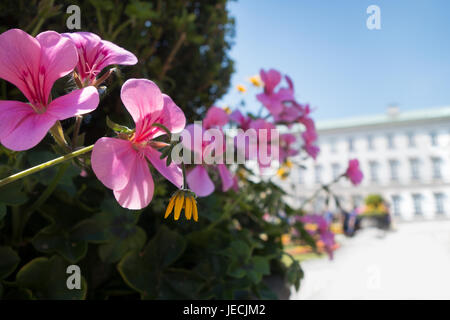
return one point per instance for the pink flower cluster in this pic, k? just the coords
(121, 163)
(33, 65)
(353, 172)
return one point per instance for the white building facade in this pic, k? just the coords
(405, 157)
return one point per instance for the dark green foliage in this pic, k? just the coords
(58, 217)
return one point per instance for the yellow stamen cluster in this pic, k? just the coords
(227, 109)
(241, 88)
(256, 81)
(282, 173)
(183, 199)
(288, 164)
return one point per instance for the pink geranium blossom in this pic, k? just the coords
(33, 65)
(353, 172)
(94, 54)
(321, 230)
(309, 135)
(121, 163)
(287, 149)
(266, 136)
(242, 121)
(271, 99)
(198, 178)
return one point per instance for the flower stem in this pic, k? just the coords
(76, 131)
(45, 165)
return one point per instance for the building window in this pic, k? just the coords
(434, 138)
(396, 205)
(319, 204)
(393, 165)
(336, 168)
(411, 140)
(390, 141)
(351, 146)
(373, 166)
(437, 164)
(333, 147)
(417, 201)
(370, 142)
(439, 202)
(415, 174)
(318, 173)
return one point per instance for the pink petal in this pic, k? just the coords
(192, 138)
(237, 117)
(112, 161)
(199, 181)
(11, 112)
(172, 117)
(58, 58)
(138, 193)
(116, 55)
(19, 59)
(27, 128)
(143, 100)
(271, 79)
(77, 102)
(225, 175)
(172, 172)
(215, 117)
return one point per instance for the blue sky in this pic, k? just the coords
(337, 64)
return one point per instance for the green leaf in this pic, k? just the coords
(115, 250)
(47, 279)
(142, 271)
(117, 127)
(8, 261)
(49, 240)
(12, 194)
(294, 274)
(259, 267)
(180, 284)
(57, 237)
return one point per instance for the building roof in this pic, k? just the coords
(393, 116)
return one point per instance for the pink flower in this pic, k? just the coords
(264, 131)
(322, 231)
(354, 173)
(272, 100)
(94, 54)
(121, 163)
(287, 140)
(202, 144)
(243, 121)
(309, 135)
(33, 65)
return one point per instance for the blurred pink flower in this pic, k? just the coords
(274, 101)
(200, 143)
(240, 119)
(353, 173)
(309, 135)
(33, 65)
(323, 231)
(287, 140)
(94, 54)
(121, 163)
